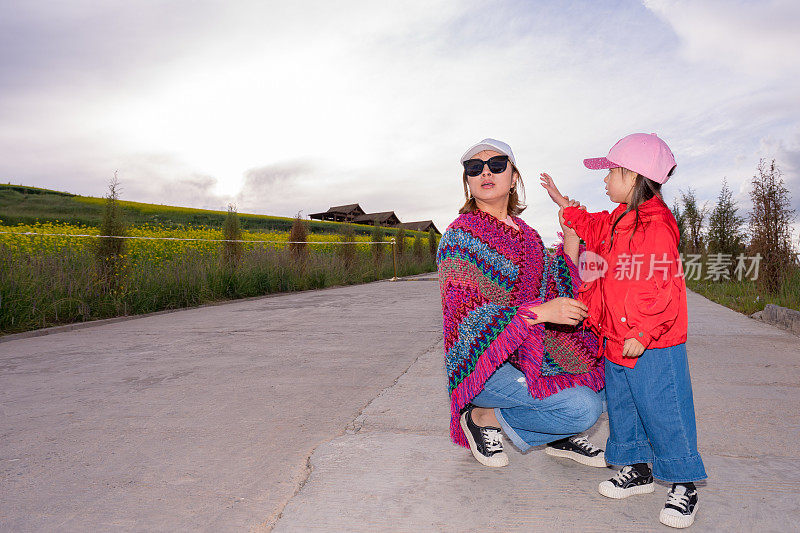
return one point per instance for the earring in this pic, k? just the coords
(512, 189)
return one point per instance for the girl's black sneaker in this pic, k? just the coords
(680, 508)
(486, 443)
(627, 482)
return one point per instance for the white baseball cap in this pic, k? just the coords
(490, 144)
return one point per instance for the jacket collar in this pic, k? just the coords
(649, 209)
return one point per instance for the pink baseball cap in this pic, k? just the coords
(643, 153)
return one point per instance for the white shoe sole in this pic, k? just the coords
(677, 521)
(608, 490)
(496, 460)
(598, 461)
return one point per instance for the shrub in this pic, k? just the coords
(725, 226)
(231, 231)
(680, 219)
(110, 251)
(298, 236)
(417, 246)
(377, 237)
(432, 243)
(770, 226)
(377, 248)
(693, 217)
(400, 239)
(347, 252)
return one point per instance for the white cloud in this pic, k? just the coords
(373, 103)
(758, 38)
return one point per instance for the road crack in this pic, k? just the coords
(352, 428)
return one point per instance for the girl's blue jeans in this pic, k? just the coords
(651, 415)
(530, 421)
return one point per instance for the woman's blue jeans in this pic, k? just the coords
(651, 415)
(530, 421)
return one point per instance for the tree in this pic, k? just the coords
(232, 233)
(298, 235)
(400, 246)
(725, 234)
(417, 247)
(680, 218)
(432, 243)
(110, 252)
(347, 252)
(377, 237)
(694, 217)
(770, 225)
(377, 249)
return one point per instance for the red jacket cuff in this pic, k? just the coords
(640, 335)
(572, 215)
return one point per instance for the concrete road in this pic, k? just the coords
(199, 419)
(399, 471)
(327, 411)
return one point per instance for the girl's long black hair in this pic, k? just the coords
(643, 190)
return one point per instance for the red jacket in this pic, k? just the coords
(643, 293)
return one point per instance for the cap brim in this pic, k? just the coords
(478, 148)
(597, 163)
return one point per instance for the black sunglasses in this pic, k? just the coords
(497, 164)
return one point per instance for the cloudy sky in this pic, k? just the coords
(282, 107)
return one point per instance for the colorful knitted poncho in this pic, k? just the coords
(489, 275)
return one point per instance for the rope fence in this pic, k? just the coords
(32, 233)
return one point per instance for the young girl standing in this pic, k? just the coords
(638, 306)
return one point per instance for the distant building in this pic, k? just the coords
(386, 218)
(340, 213)
(422, 225)
(354, 214)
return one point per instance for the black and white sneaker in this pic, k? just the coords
(486, 443)
(627, 482)
(680, 507)
(577, 448)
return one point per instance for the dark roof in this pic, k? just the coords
(357, 213)
(340, 210)
(380, 217)
(420, 225)
(345, 208)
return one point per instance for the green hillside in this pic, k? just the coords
(21, 204)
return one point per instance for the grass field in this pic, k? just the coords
(55, 277)
(46, 281)
(745, 297)
(21, 204)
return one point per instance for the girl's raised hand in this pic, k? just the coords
(550, 186)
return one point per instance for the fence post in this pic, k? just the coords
(394, 257)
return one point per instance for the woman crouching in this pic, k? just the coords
(516, 362)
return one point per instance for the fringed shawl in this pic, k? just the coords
(490, 274)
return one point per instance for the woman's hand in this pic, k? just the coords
(550, 186)
(632, 348)
(560, 310)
